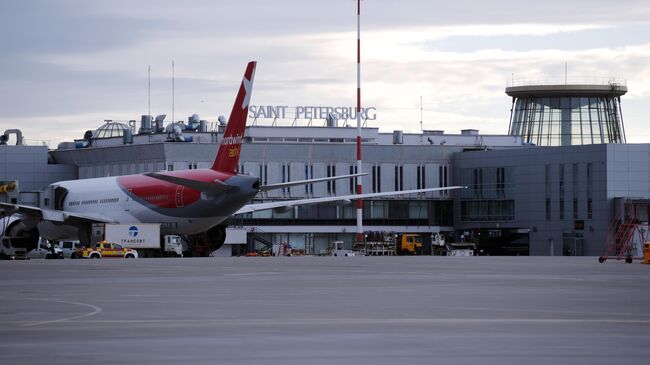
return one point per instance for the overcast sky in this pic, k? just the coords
(65, 66)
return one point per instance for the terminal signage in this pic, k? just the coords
(309, 112)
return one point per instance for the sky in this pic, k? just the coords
(68, 65)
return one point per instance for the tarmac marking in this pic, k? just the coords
(252, 273)
(377, 321)
(95, 310)
(141, 295)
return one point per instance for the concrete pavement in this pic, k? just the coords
(324, 310)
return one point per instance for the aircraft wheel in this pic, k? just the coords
(217, 236)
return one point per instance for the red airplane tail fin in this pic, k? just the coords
(227, 158)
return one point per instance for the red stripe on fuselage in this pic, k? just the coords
(164, 194)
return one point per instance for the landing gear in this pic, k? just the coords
(203, 244)
(216, 236)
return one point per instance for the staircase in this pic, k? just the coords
(619, 240)
(254, 236)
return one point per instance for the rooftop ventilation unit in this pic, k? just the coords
(398, 137)
(469, 132)
(145, 124)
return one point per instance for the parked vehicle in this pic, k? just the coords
(409, 244)
(69, 247)
(336, 249)
(461, 249)
(12, 248)
(106, 249)
(145, 238)
(45, 250)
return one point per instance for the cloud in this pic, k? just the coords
(79, 63)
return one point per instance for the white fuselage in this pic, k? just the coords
(104, 198)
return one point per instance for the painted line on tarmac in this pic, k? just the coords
(252, 273)
(95, 310)
(371, 321)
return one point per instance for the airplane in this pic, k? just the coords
(188, 201)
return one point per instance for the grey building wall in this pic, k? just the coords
(299, 160)
(598, 173)
(29, 166)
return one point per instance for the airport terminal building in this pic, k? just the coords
(554, 185)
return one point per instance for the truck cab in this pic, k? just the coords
(12, 248)
(173, 244)
(336, 249)
(409, 244)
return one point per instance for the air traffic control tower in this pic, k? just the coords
(563, 114)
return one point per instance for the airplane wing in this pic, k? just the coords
(290, 203)
(51, 214)
(304, 182)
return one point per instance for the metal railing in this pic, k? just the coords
(605, 81)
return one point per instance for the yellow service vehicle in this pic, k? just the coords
(107, 250)
(408, 244)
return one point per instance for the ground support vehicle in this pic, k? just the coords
(377, 244)
(105, 249)
(336, 249)
(461, 249)
(69, 247)
(45, 250)
(408, 244)
(12, 248)
(145, 238)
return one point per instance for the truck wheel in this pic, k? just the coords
(129, 256)
(48, 256)
(95, 256)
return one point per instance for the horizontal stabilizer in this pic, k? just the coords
(305, 182)
(206, 187)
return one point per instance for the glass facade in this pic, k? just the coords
(567, 120)
(375, 213)
(489, 194)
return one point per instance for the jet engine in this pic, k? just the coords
(20, 228)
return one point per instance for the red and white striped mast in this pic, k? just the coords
(359, 190)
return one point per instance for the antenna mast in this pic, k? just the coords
(421, 128)
(566, 72)
(149, 94)
(359, 188)
(173, 91)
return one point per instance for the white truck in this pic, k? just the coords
(45, 250)
(336, 249)
(144, 238)
(12, 248)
